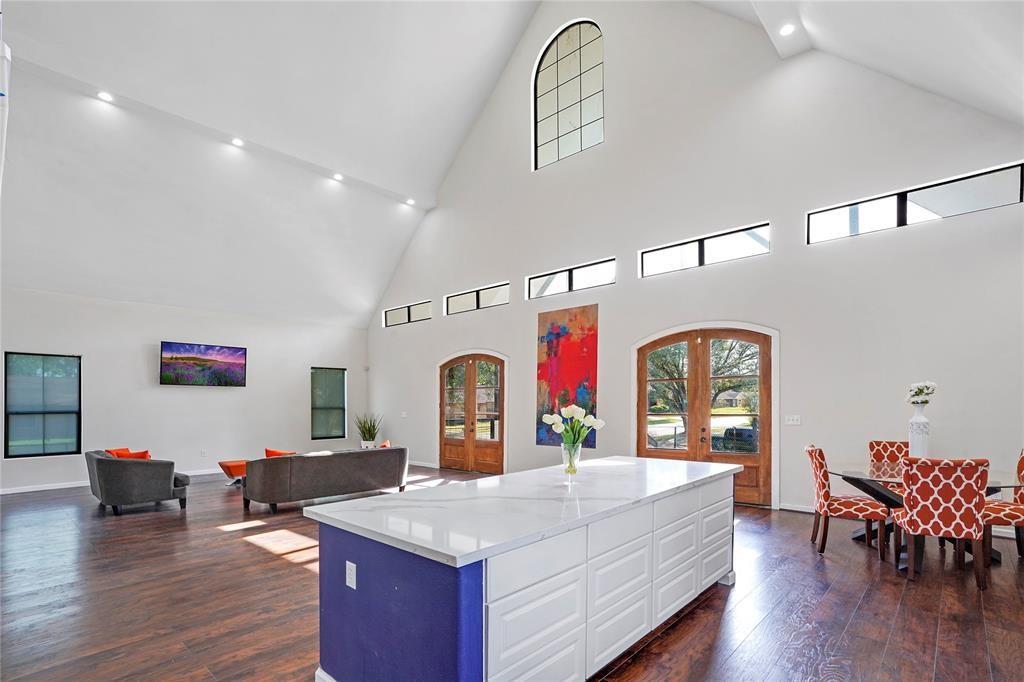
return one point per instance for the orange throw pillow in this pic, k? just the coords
(141, 454)
(277, 453)
(118, 452)
(386, 444)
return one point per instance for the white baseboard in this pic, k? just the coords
(797, 508)
(85, 484)
(432, 465)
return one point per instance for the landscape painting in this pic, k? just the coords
(196, 364)
(566, 367)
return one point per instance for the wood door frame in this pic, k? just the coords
(439, 408)
(772, 334)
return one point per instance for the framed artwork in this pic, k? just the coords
(566, 366)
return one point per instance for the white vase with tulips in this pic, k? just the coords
(573, 425)
(919, 395)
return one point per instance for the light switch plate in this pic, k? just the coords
(792, 420)
(350, 574)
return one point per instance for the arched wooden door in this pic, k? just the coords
(472, 404)
(706, 395)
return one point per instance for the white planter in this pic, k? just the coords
(918, 437)
(367, 444)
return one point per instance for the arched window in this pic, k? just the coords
(569, 94)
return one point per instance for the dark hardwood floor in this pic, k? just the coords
(215, 593)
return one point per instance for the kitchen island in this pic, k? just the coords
(522, 576)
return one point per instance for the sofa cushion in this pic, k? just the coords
(141, 454)
(277, 453)
(118, 452)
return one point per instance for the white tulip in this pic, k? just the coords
(578, 412)
(567, 411)
(549, 418)
(558, 427)
(588, 420)
(598, 424)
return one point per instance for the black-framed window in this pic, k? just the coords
(484, 297)
(744, 242)
(586, 276)
(404, 314)
(976, 192)
(42, 404)
(328, 400)
(568, 103)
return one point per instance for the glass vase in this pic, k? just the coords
(571, 456)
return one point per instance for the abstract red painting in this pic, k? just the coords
(566, 366)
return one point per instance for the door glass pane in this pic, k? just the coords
(735, 405)
(488, 426)
(487, 374)
(730, 357)
(668, 362)
(455, 402)
(666, 431)
(666, 397)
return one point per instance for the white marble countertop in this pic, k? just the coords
(463, 522)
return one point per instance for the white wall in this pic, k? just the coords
(707, 129)
(123, 404)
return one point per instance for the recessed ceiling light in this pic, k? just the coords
(786, 29)
(339, 177)
(410, 201)
(238, 142)
(105, 96)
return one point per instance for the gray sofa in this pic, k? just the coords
(116, 482)
(293, 478)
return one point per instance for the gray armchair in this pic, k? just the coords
(117, 482)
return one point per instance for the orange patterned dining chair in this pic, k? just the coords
(999, 513)
(882, 452)
(944, 498)
(827, 505)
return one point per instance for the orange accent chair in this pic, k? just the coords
(277, 453)
(944, 498)
(233, 468)
(999, 513)
(827, 505)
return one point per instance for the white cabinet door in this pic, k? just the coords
(715, 562)
(611, 632)
(715, 523)
(675, 544)
(563, 660)
(674, 590)
(512, 571)
(522, 623)
(675, 507)
(617, 573)
(614, 531)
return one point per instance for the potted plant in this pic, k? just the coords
(369, 429)
(573, 425)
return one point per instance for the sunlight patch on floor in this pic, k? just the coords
(281, 541)
(241, 526)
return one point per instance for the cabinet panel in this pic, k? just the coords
(607, 534)
(522, 623)
(617, 573)
(563, 660)
(715, 491)
(512, 571)
(675, 544)
(615, 629)
(715, 522)
(674, 590)
(675, 507)
(715, 562)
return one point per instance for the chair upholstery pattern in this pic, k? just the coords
(944, 497)
(840, 506)
(999, 513)
(888, 450)
(1018, 493)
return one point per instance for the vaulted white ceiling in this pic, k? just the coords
(970, 52)
(380, 91)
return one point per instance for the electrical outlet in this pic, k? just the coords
(350, 574)
(202, 453)
(404, 414)
(792, 420)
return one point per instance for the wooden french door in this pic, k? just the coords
(706, 395)
(472, 400)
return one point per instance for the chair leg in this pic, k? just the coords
(824, 535)
(960, 546)
(1018, 532)
(897, 545)
(401, 488)
(980, 578)
(245, 503)
(116, 508)
(880, 539)
(911, 557)
(273, 507)
(814, 528)
(868, 533)
(181, 502)
(986, 545)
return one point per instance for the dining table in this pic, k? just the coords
(876, 479)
